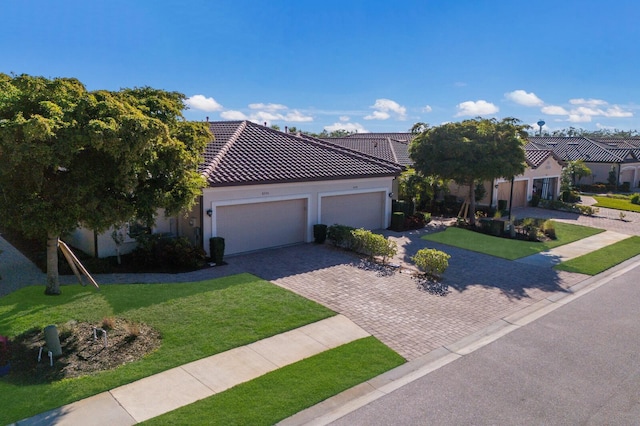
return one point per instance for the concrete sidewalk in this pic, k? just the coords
(569, 251)
(180, 386)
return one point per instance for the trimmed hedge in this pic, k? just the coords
(431, 261)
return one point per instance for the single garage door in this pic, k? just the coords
(365, 210)
(255, 226)
(519, 192)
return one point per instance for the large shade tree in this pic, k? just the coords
(71, 157)
(470, 152)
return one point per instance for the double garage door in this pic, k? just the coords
(519, 192)
(255, 226)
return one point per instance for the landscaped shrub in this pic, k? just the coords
(635, 198)
(404, 206)
(571, 196)
(158, 251)
(502, 205)
(431, 261)
(417, 220)
(625, 187)
(535, 200)
(549, 229)
(568, 207)
(366, 242)
(340, 235)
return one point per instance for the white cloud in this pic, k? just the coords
(297, 116)
(344, 118)
(427, 108)
(377, 115)
(616, 111)
(476, 108)
(349, 127)
(588, 102)
(233, 115)
(585, 109)
(523, 98)
(201, 103)
(268, 107)
(383, 108)
(554, 110)
(459, 84)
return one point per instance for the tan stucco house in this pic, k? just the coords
(266, 188)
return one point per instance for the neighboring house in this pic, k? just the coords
(599, 156)
(267, 188)
(541, 177)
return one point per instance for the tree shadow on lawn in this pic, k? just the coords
(514, 279)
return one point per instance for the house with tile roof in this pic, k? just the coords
(266, 188)
(599, 155)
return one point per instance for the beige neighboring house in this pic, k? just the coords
(541, 177)
(267, 189)
(599, 156)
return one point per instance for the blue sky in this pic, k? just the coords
(360, 65)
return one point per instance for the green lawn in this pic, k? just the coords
(284, 392)
(604, 258)
(616, 203)
(195, 320)
(507, 248)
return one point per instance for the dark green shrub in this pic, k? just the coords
(340, 235)
(625, 187)
(549, 229)
(404, 206)
(502, 205)
(216, 248)
(635, 198)
(162, 252)
(535, 200)
(319, 233)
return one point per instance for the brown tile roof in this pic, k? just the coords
(398, 136)
(535, 157)
(382, 147)
(574, 148)
(245, 153)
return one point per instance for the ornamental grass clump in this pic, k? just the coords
(431, 262)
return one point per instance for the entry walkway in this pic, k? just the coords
(180, 386)
(569, 251)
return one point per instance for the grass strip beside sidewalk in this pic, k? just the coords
(288, 390)
(600, 260)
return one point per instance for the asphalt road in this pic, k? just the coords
(580, 364)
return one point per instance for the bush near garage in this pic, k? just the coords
(431, 262)
(373, 245)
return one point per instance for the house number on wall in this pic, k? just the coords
(355, 187)
(265, 193)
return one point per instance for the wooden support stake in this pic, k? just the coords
(77, 263)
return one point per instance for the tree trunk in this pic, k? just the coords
(53, 279)
(472, 203)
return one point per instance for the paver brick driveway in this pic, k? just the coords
(412, 321)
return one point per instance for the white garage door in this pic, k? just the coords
(247, 227)
(364, 210)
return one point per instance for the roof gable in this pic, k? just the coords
(245, 153)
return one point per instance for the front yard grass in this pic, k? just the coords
(604, 258)
(195, 320)
(284, 392)
(616, 203)
(506, 248)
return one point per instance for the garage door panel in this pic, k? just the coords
(364, 210)
(519, 192)
(255, 226)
